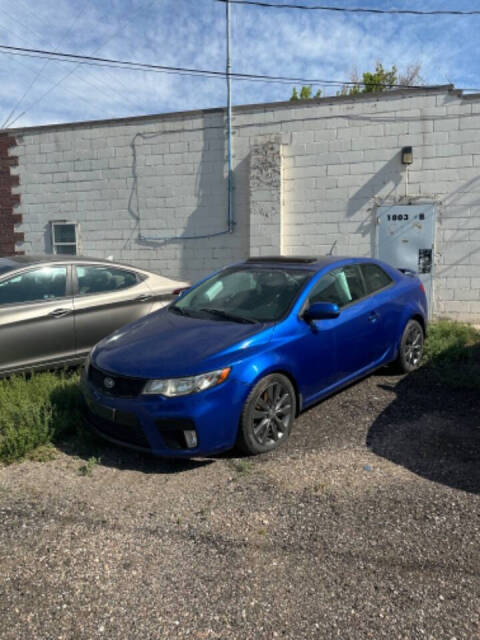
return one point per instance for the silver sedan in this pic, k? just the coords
(53, 309)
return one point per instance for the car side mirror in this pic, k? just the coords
(180, 292)
(322, 311)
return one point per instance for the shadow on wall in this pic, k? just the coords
(200, 217)
(391, 173)
(432, 430)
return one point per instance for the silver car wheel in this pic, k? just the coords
(272, 414)
(413, 346)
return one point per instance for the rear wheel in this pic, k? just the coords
(267, 415)
(411, 347)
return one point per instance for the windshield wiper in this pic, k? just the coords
(220, 313)
(179, 310)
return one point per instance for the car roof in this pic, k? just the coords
(312, 263)
(20, 261)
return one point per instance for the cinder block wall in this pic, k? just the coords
(136, 189)
(343, 160)
(333, 162)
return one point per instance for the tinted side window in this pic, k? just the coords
(340, 286)
(375, 277)
(103, 279)
(46, 283)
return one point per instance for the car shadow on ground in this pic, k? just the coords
(431, 428)
(86, 446)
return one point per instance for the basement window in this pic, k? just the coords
(65, 238)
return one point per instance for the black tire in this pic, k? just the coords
(411, 347)
(268, 415)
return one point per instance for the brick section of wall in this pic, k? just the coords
(8, 200)
(266, 198)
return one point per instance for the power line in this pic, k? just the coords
(211, 73)
(129, 18)
(39, 73)
(306, 7)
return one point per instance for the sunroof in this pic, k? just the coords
(287, 259)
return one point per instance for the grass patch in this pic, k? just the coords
(452, 354)
(35, 411)
(87, 469)
(242, 467)
(43, 453)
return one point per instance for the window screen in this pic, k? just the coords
(64, 238)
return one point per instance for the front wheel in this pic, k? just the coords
(411, 347)
(267, 415)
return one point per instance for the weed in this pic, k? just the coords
(242, 467)
(452, 354)
(87, 469)
(36, 410)
(43, 453)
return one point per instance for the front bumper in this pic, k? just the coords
(152, 423)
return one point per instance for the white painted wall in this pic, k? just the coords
(334, 160)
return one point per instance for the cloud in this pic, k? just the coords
(192, 34)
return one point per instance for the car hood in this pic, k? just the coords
(164, 344)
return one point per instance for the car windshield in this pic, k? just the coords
(244, 295)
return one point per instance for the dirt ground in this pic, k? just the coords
(367, 525)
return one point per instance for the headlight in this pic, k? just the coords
(185, 386)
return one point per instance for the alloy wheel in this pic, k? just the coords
(272, 414)
(413, 346)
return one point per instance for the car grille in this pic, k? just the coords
(125, 428)
(123, 387)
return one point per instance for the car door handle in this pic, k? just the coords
(373, 316)
(60, 313)
(143, 298)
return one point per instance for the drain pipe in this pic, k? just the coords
(230, 222)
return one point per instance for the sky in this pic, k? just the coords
(191, 33)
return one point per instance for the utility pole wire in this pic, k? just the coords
(37, 76)
(306, 7)
(212, 73)
(59, 82)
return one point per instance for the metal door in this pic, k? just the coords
(405, 239)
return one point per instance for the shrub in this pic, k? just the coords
(36, 410)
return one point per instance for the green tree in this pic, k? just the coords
(372, 82)
(305, 93)
(381, 80)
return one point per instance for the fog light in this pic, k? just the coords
(190, 438)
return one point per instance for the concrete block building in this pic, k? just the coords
(394, 175)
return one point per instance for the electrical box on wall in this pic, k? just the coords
(405, 239)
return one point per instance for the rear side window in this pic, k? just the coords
(341, 286)
(103, 279)
(42, 284)
(375, 277)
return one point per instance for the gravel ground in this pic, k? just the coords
(366, 526)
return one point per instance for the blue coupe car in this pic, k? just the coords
(239, 355)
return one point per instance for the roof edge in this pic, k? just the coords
(180, 115)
